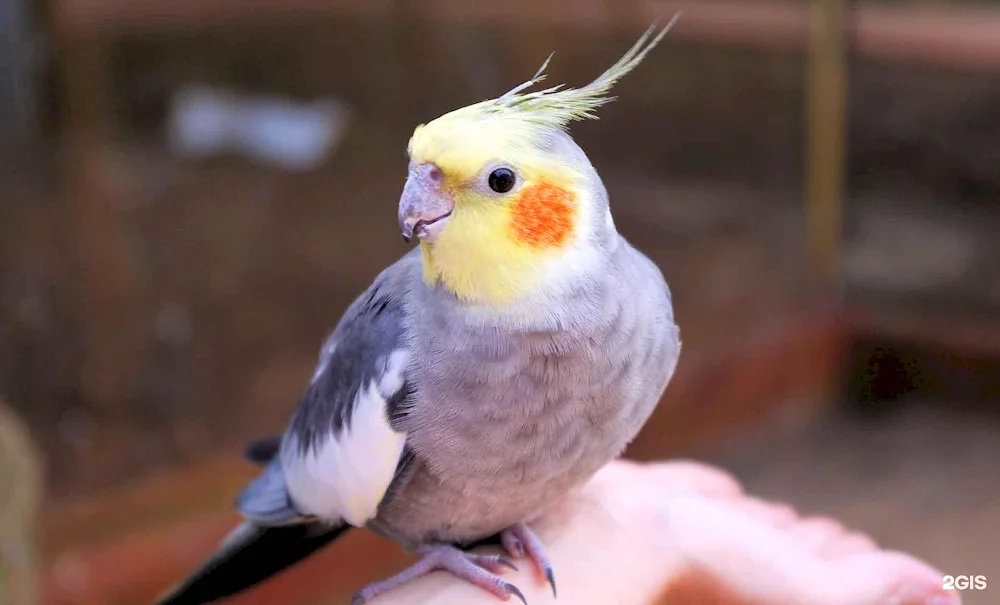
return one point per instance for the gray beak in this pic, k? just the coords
(424, 206)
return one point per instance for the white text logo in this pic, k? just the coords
(964, 583)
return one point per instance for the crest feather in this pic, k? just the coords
(558, 106)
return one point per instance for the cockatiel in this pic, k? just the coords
(482, 376)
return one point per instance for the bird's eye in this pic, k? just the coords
(502, 180)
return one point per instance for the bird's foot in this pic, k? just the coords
(520, 541)
(479, 570)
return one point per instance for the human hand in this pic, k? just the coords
(684, 532)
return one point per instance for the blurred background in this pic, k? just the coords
(192, 191)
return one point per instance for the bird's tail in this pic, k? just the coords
(248, 556)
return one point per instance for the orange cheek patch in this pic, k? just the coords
(542, 215)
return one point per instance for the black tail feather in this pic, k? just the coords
(263, 450)
(250, 555)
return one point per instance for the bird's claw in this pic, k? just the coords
(512, 544)
(520, 541)
(515, 591)
(479, 570)
(494, 563)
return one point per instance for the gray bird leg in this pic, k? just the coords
(479, 570)
(519, 541)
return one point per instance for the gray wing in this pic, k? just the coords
(356, 355)
(337, 459)
(342, 451)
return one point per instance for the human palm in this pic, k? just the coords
(684, 532)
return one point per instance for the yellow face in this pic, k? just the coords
(497, 213)
(493, 210)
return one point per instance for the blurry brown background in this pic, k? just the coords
(832, 253)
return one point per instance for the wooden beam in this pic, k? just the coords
(949, 36)
(766, 24)
(961, 37)
(826, 130)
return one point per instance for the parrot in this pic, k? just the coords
(519, 347)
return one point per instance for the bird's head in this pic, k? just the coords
(501, 198)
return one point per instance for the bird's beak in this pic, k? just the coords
(425, 206)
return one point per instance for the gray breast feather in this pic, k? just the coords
(515, 414)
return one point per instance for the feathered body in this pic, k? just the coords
(505, 409)
(537, 406)
(482, 376)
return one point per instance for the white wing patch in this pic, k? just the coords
(346, 476)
